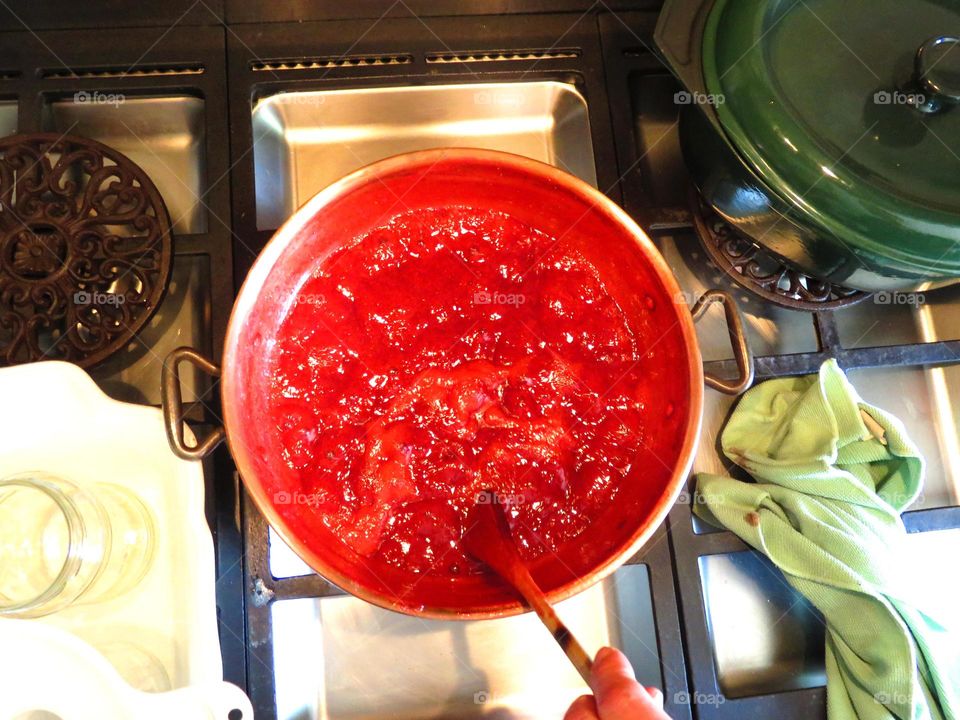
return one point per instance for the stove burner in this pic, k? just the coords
(759, 271)
(85, 249)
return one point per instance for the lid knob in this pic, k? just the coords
(936, 68)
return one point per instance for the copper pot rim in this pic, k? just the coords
(288, 233)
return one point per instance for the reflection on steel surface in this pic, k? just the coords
(303, 141)
(164, 135)
(341, 657)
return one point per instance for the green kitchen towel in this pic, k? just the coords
(832, 476)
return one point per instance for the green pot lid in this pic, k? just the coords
(816, 95)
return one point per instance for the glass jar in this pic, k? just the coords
(61, 544)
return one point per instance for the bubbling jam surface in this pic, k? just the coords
(450, 351)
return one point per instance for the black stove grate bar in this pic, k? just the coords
(944, 352)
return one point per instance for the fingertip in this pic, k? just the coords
(583, 708)
(617, 693)
(655, 694)
(602, 654)
(611, 664)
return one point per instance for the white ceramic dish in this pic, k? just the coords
(55, 674)
(57, 421)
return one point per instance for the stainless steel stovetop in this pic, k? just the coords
(338, 657)
(766, 638)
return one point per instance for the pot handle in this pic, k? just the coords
(738, 338)
(171, 403)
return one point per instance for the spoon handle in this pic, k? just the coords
(488, 539)
(535, 598)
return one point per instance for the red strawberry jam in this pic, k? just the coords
(447, 352)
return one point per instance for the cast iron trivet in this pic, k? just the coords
(85, 249)
(755, 269)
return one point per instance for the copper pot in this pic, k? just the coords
(545, 198)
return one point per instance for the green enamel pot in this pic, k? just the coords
(827, 130)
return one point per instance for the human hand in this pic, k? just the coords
(616, 693)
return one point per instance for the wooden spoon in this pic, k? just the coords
(488, 539)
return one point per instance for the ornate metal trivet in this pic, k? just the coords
(85, 249)
(757, 270)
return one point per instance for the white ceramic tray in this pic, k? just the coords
(55, 674)
(54, 419)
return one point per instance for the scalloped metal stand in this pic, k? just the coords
(759, 271)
